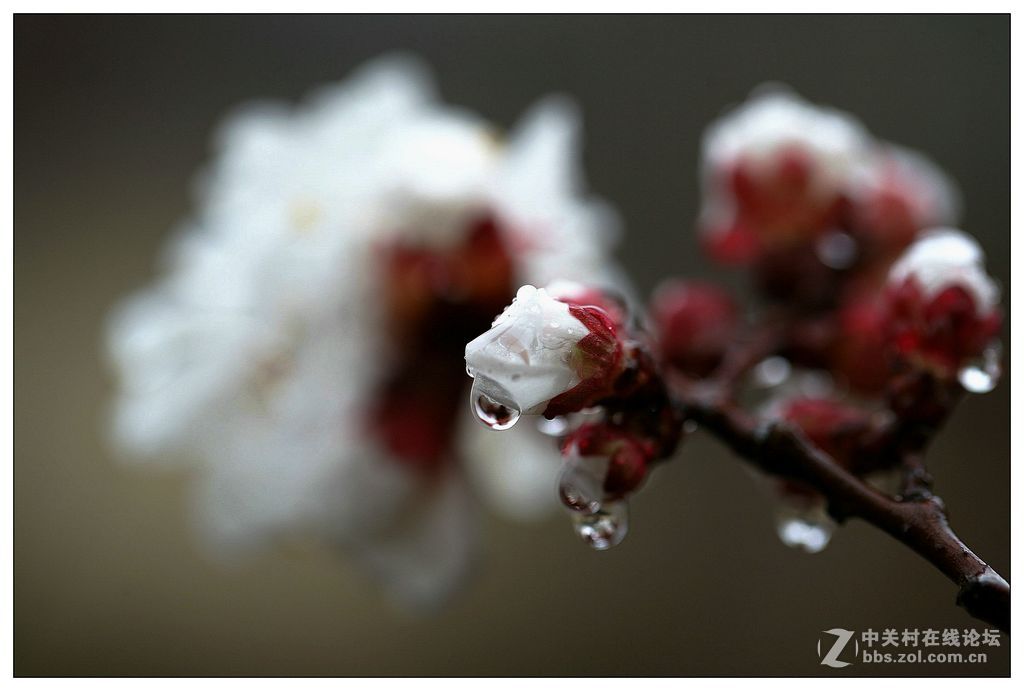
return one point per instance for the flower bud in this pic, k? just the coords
(609, 459)
(896, 194)
(544, 355)
(860, 351)
(942, 308)
(774, 174)
(695, 323)
(574, 293)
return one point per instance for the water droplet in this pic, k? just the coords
(808, 528)
(555, 427)
(837, 250)
(981, 374)
(493, 405)
(605, 528)
(581, 483)
(772, 371)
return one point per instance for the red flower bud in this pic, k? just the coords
(860, 351)
(941, 307)
(626, 456)
(695, 323)
(895, 195)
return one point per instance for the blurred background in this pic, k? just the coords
(113, 116)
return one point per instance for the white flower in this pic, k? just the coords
(259, 352)
(945, 257)
(525, 359)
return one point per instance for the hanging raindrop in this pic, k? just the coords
(981, 374)
(837, 250)
(772, 371)
(555, 427)
(605, 528)
(804, 527)
(581, 483)
(492, 405)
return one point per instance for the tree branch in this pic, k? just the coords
(917, 519)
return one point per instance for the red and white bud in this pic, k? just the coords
(614, 460)
(573, 293)
(774, 173)
(942, 308)
(542, 355)
(603, 465)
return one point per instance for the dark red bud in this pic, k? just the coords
(695, 323)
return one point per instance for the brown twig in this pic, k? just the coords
(917, 518)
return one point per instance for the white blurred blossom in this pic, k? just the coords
(258, 351)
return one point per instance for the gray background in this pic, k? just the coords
(113, 116)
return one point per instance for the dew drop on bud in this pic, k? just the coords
(581, 483)
(981, 374)
(555, 427)
(605, 528)
(837, 250)
(492, 405)
(772, 371)
(807, 528)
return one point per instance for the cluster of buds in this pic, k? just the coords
(846, 240)
(847, 235)
(863, 293)
(905, 353)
